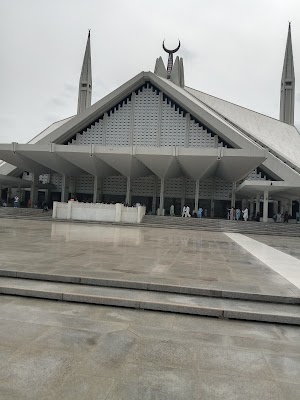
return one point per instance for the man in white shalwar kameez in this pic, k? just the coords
(245, 214)
(187, 212)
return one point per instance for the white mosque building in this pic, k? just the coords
(155, 141)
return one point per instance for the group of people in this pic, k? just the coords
(234, 214)
(285, 217)
(186, 212)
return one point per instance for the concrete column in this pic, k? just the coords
(154, 195)
(281, 207)
(74, 187)
(183, 193)
(266, 206)
(8, 195)
(118, 215)
(54, 212)
(212, 208)
(212, 202)
(161, 196)
(64, 189)
(290, 210)
(97, 189)
(257, 204)
(128, 189)
(251, 208)
(34, 190)
(197, 186)
(244, 204)
(275, 207)
(47, 195)
(216, 140)
(233, 197)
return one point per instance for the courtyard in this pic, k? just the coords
(54, 349)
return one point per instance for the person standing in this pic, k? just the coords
(183, 211)
(16, 202)
(245, 214)
(172, 212)
(286, 217)
(187, 212)
(200, 211)
(238, 214)
(297, 217)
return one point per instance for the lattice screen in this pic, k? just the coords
(173, 125)
(115, 185)
(146, 113)
(118, 125)
(206, 189)
(85, 184)
(55, 179)
(223, 189)
(92, 135)
(256, 176)
(173, 187)
(146, 124)
(142, 186)
(198, 136)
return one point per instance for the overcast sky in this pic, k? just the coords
(232, 49)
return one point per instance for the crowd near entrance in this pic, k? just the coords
(172, 206)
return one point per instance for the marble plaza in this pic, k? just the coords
(55, 349)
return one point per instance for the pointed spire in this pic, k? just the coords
(287, 95)
(160, 68)
(85, 82)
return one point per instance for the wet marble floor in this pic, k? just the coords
(172, 256)
(55, 350)
(288, 245)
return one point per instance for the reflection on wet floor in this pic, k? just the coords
(187, 258)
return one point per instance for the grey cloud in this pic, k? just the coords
(231, 49)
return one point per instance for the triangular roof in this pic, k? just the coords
(208, 117)
(281, 139)
(240, 127)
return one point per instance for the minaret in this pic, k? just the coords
(287, 95)
(85, 82)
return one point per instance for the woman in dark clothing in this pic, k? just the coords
(286, 217)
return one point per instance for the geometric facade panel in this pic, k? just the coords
(141, 116)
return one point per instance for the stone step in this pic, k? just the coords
(160, 286)
(222, 225)
(225, 229)
(150, 300)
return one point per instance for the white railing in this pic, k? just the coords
(98, 212)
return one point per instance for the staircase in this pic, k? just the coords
(222, 225)
(204, 224)
(153, 296)
(25, 213)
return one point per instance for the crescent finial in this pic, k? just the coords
(170, 51)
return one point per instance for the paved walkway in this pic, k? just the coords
(58, 350)
(288, 245)
(283, 263)
(53, 350)
(203, 259)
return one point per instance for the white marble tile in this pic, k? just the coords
(286, 265)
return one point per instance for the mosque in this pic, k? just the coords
(155, 141)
